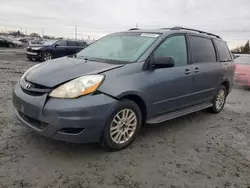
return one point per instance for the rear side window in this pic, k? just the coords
(224, 54)
(82, 44)
(202, 49)
(71, 43)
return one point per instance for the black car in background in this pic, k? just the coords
(54, 49)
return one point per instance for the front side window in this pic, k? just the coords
(61, 43)
(48, 42)
(125, 47)
(174, 47)
(223, 51)
(202, 50)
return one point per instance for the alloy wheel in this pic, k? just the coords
(47, 56)
(123, 126)
(220, 99)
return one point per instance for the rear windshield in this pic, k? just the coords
(242, 60)
(124, 47)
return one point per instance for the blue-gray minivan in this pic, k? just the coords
(107, 91)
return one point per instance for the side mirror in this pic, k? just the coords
(164, 62)
(56, 45)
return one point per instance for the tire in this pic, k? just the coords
(46, 56)
(30, 58)
(109, 141)
(219, 100)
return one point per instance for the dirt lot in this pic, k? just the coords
(198, 150)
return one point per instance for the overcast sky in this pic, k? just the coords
(95, 18)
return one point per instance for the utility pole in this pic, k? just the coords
(42, 32)
(76, 32)
(136, 25)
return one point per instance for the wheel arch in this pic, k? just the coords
(226, 84)
(139, 100)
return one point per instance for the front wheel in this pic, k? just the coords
(122, 126)
(219, 100)
(46, 56)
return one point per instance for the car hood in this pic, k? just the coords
(57, 71)
(242, 68)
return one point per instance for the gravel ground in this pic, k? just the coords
(197, 150)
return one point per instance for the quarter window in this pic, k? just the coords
(224, 54)
(174, 47)
(202, 49)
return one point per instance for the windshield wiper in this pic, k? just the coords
(84, 58)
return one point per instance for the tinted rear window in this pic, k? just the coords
(202, 50)
(224, 54)
(82, 44)
(71, 43)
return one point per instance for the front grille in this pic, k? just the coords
(36, 123)
(33, 89)
(28, 49)
(33, 93)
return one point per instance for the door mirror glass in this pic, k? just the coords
(164, 62)
(56, 45)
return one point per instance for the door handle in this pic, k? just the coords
(187, 71)
(196, 70)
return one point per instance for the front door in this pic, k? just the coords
(170, 87)
(207, 72)
(60, 49)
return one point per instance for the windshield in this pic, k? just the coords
(242, 60)
(48, 42)
(125, 47)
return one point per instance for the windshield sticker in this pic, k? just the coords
(149, 35)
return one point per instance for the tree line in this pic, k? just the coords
(21, 34)
(244, 49)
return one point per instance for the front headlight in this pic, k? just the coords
(78, 87)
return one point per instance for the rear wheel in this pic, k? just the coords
(122, 126)
(219, 100)
(46, 56)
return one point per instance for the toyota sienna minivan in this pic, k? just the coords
(107, 91)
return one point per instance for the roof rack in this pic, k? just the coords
(195, 30)
(134, 29)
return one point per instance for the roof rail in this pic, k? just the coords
(134, 29)
(195, 30)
